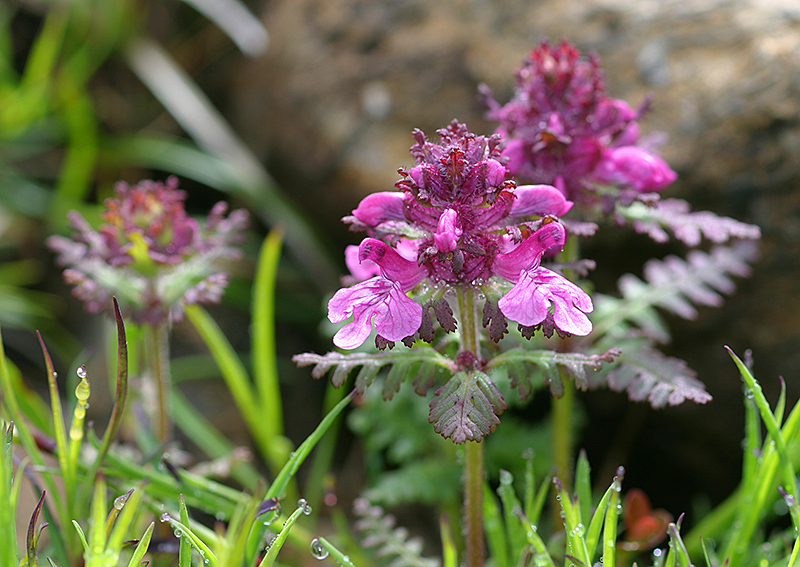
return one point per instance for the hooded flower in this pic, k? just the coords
(149, 253)
(457, 220)
(562, 129)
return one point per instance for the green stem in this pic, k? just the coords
(473, 502)
(473, 451)
(158, 355)
(562, 434)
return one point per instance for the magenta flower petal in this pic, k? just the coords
(380, 207)
(359, 270)
(393, 265)
(529, 252)
(529, 301)
(634, 167)
(377, 302)
(495, 173)
(525, 303)
(448, 231)
(539, 200)
(515, 152)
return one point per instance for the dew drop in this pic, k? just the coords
(303, 504)
(318, 550)
(506, 477)
(81, 371)
(578, 531)
(119, 501)
(164, 517)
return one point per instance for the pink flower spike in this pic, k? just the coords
(634, 167)
(377, 302)
(380, 207)
(448, 232)
(539, 200)
(528, 302)
(360, 270)
(529, 252)
(393, 265)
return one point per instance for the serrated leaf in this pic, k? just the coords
(385, 541)
(647, 374)
(551, 365)
(675, 285)
(421, 363)
(689, 227)
(466, 407)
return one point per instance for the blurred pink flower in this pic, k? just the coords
(149, 253)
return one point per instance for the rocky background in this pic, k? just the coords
(330, 107)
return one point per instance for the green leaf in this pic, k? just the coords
(611, 519)
(265, 369)
(337, 555)
(141, 547)
(423, 480)
(466, 407)
(8, 537)
(512, 509)
(494, 529)
(277, 543)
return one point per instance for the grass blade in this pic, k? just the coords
(265, 367)
(611, 519)
(141, 547)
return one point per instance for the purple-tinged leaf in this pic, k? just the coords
(689, 227)
(420, 364)
(384, 541)
(647, 374)
(673, 284)
(466, 407)
(551, 367)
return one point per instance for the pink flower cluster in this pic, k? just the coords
(149, 253)
(561, 128)
(457, 221)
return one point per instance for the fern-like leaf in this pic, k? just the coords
(647, 374)
(551, 365)
(466, 407)
(675, 285)
(390, 545)
(689, 227)
(421, 363)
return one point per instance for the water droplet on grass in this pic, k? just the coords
(318, 550)
(303, 504)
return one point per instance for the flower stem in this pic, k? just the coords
(158, 355)
(473, 450)
(563, 433)
(473, 502)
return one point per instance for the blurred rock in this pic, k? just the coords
(331, 106)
